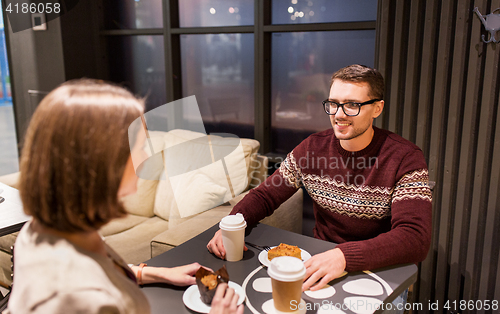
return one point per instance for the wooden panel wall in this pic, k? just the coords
(443, 87)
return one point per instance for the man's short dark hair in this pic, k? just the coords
(359, 73)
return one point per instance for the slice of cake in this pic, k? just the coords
(284, 250)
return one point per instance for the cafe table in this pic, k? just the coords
(357, 292)
(12, 216)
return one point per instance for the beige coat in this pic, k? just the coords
(51, 275)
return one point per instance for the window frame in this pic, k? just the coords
(262, 31)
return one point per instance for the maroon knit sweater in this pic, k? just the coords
(375, 203)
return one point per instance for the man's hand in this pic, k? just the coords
(327, 266)
(216, 246)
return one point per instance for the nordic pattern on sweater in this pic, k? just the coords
(413, 185)
(368, 202)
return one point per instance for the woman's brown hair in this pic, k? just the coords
(74, 155)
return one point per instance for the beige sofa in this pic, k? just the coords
(152, 228)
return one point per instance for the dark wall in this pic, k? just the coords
(443, 87)
(41, 60)
(82, 46)
(35, 63)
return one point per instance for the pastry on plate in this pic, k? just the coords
(208, 281)
(284, 250)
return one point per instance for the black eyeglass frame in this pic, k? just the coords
(359, 104)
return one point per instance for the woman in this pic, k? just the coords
(75, 167)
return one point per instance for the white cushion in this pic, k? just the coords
(250, 149)
(193, 182)
(141, 203)
(195, 192)
(201, 195)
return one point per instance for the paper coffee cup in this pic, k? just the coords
(287, 275)
(233, 236)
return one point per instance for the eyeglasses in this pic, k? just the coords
(350, 109)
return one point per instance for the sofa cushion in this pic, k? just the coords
(250, 149)
(259, 167)
(11, 180)
(196, 186)
(162, 200)
(216, 156)
(5, 269)
(134, 244)
(121, 224)
(193, 193)
(7, 241)
(142, 202)
(289, 215)
(196, 197)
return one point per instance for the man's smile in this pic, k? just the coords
(341, 125)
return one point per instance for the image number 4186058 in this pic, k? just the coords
(32, 8)
(20, 12)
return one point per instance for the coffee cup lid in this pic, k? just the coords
(233, 222)
(286, 268)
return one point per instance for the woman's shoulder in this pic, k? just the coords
(34, 250)
(48, 267)
(78, 301)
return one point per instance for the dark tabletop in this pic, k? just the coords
(12, 216)
(168, 299)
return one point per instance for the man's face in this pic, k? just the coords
(353, 128)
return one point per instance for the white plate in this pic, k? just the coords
(266, 262)
(192, 299)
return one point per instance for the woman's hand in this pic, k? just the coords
(178, 276)
(225, 301)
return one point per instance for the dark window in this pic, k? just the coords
(201, 13)
(218, 70)
(265, 80)
(323, 11)
(131, 14)
(138, 63)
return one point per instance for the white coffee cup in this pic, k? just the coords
(233, 236)
(287, 275)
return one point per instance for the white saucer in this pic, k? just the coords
(192, 299)
(266, 262)
(268, 308)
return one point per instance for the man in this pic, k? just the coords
(369, 186)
